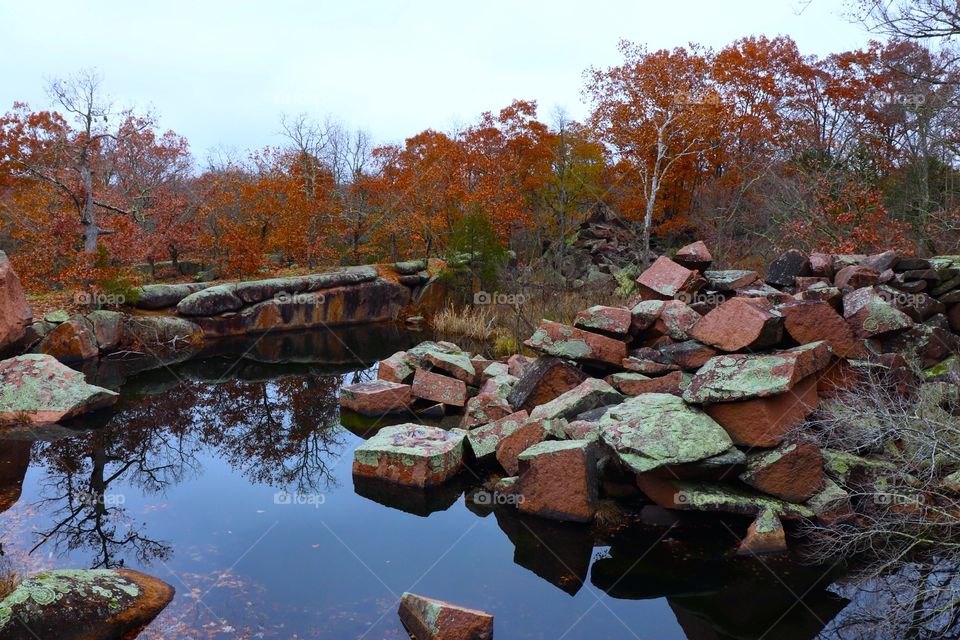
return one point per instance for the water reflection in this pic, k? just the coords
(271, 418)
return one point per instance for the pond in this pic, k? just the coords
(229, 476)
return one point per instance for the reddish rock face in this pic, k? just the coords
(821, 264)
(38, 389)
(611, 320)
(558, 480)
(15, 313)
(71, 341)
(676, 320)
(428, 619)
(739, 324)
(665, 279)
(836, 378)
(395, 369)
(633, 386)
(644, 314)
(855, 277)
(694, 256)
(375, 398)
(793, 471)
(545, 379)
(764, 422)
(515, 443)
(484, 408)
(483, 441)
(438, 388)
(410, 454)
(809, 321)
(647, 367)
(564, 341)
(765, 535)
(517, 364)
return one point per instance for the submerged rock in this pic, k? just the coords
(659, 429)
(765, 535)
(429, 619)
(93, 604)
(411, 454)
(36, 388)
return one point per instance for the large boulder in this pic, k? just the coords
(163, 296)
(439, 388)
(568, 342)
(558, 480)
(784, 270)
(659, 429)
(544, 380)
(429, 619)
(410, 454)
(92, 604)
(687, 495)
(740, 323)
(484, 408)
(734, 377)
(810, 321)
(159, 336)
(695, 256)
(519, 440)
(72, 341)
(730, 279)
(15, 312)
(764, 422)
(483, 441)
(611, 320)
(38, 389)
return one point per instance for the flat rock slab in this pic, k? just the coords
(38, 389)
(743, 376)
(411, 454)
(738, 324)
(376, 398)
(612, 320)
(83, 605)
(589, 394)
(686, 495)
(439, 388)
(558, 480)
(568, 342)
(429, 619)
(730, 279)
(665, 280)
(658, 429)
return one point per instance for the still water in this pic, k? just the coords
(229, 476)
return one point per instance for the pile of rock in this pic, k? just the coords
(693, 392)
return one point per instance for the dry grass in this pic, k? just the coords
(469, 321)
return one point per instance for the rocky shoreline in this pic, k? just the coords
(694, 394)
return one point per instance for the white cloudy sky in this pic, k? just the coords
(221, 73)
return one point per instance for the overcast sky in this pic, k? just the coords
(222, 73)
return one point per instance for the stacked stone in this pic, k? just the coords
(694, 390)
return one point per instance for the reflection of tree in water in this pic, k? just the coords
(147, 445)
(279, 432)
(282, 432)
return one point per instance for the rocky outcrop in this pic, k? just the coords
(15, 312)
(37, 389)
(94, 604)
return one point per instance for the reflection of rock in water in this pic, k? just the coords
(419, 502)
(715, 594)
(558, 552)
(14, 462)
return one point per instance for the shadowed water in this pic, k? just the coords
(229, 476)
